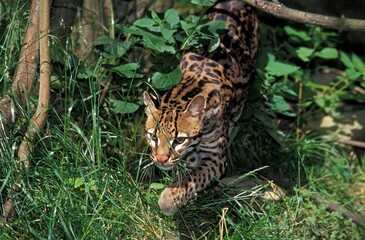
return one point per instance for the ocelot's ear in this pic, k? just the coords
(197, 105)
(150, 105)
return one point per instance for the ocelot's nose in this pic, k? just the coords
(162, 158)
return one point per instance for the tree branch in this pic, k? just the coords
(39, 118)
(353, 143)
(279, 10)
(27, 67)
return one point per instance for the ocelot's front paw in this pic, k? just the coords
(171, 199)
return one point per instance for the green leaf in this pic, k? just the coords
(327, 102)
(151, 40)
(358, 63)
(166, 80)
(277, 68)
(300, 34)
(279, 105)
(93, 186)
(282, 89)
(121, 48)
(304, 53)
(165, 62)
(125, 107)
(362, 83)
(268, 79)
(113, 48)
(157, 186)
(103, 40)
(320, 102)
(172, 17)
(327, 53)
(186, 26)
(190, 23)
(306, 104)
(214, 27)
(85, 73)
(155, 17)
(147, 23)
(352, 74)
(78, 182)
(128, 70)
(214, 44)
(203, 2)
(264, 119)
(346, 60)
(168, 34)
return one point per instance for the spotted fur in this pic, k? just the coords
(194, 120)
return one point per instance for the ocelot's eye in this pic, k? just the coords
(152, 136)
(180, 140)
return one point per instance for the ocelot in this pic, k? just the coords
(193, 121)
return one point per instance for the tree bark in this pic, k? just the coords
(63, 18)
(90, 28)
(279, 10)
(26, 70)
(39, 118)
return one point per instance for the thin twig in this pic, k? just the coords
(103, 93)
(352, 143)
(300, 96)
(279, 10)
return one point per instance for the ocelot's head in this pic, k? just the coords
(173, 131)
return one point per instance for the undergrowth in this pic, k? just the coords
(90, 177)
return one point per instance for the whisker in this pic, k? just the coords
(147, 171)
(148, 165)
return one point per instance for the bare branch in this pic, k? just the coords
(352, 143)
(39, 118)
(27, 67)
(279, 10)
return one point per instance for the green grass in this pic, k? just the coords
(90, 177)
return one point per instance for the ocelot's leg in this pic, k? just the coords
(180, 192)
